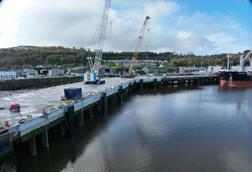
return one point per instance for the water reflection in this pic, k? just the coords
(199, 130)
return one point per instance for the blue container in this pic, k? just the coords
(73, 93)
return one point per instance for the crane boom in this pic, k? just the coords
(242, 60)
(99, 38)
(99, 42)
(139, 43)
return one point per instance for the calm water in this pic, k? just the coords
(203, 130)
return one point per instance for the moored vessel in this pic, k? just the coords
(235, 79)
(231, 78)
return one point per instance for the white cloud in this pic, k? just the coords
(221, 38)
(184, 34)
(213, 34)
(225, 41)
(73, 23)
(47, 22)
(160, 9)
(126, 24)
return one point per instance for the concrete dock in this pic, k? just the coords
(43, 109)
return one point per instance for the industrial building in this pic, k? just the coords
(54, 72)
(192, 70)
(31, 73)
(77, 71)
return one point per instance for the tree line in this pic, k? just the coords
(31, 56)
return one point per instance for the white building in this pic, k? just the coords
(7, 75)
(56, 72)
(192, 70)
(30, 73)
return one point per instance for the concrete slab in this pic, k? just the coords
(33, 101)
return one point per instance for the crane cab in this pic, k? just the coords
(92, 78)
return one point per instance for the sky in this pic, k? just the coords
(183, 26)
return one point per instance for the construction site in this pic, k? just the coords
(44, 109)
(36, 112)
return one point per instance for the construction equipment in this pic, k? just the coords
(243, 60)
(15, 107)
(92, 76)
(73, 93)
(137, 48)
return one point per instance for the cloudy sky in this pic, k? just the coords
(197, 26)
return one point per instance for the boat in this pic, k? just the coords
(231, 78)
(235, 79)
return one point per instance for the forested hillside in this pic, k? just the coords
(20, 57)
(30, 56)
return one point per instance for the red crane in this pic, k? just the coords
(139, 44)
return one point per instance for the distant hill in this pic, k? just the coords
(30, 56)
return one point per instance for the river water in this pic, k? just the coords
(199, 130)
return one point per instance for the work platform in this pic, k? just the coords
(34, 101)
(43, 108)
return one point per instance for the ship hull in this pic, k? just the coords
(235, 79)
(241, 84)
